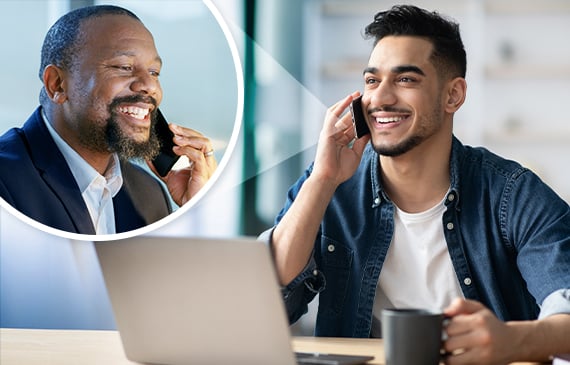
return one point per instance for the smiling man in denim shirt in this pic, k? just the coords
(416, 219)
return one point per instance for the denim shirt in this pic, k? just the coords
(507, 232)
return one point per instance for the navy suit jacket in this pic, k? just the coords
(36, 180)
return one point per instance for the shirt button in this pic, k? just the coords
(451, 197)
(467, 281)
(330, 248)
(377, 201)
(449, 226)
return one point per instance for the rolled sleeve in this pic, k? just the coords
(557, 302)
(302, 290)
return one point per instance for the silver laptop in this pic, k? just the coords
(196, 301)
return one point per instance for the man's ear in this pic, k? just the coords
(455, 96)
(54, 83)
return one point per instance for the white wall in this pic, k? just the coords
(518, 61)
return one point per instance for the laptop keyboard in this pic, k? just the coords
(304, 358)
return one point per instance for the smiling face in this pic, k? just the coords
(402, 96)
(113, 88)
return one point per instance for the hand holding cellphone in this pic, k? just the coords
(358, 119)
(166, 158)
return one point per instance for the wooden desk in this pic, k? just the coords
(63, 347)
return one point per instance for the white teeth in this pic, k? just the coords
(389, 120)
(136, 112)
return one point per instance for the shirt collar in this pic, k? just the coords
(84, 173)
(454, 163)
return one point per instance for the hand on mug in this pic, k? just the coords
(475, 335)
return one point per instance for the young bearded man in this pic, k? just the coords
(408, 216)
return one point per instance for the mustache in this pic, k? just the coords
(388, 109)
(134, 99)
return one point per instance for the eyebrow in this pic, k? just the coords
(396, 70)
(133, 54)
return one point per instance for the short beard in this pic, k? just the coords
(125, 147)
(400, 149)
(429, 125)
(109, 137)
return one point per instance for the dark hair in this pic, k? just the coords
(448, 51)
(64, 37)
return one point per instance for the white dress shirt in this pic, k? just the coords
(97, 190)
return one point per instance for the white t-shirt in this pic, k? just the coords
(417, 271)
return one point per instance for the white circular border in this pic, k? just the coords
(225, 159)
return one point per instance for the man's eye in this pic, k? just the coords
(369, 81)
(155, 73)
(124, 67)
(406, 79)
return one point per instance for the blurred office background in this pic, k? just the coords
(298, 58)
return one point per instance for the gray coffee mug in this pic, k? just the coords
(412, 336)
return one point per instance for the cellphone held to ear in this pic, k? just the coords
(358, 119)
(166, 158)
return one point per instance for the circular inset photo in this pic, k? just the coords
(120, 116)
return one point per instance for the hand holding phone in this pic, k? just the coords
(166, 158)
(358, 119)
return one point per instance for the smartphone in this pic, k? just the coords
(166, 158)
(358, 119)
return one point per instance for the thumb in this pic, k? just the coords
(462, 306)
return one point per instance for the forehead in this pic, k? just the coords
(395, 51)
(108, 34)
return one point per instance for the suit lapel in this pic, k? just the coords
(56, 173)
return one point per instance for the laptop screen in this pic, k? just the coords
(196, 300)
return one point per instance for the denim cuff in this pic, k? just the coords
(313, 279)
(557, 302)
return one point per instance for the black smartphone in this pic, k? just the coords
(358, 119)
(166, 158)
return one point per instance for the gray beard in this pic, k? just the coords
(110, 138)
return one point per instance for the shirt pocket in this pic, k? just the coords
(336, 267)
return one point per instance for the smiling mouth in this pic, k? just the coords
(389, 120)
(135, 112)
